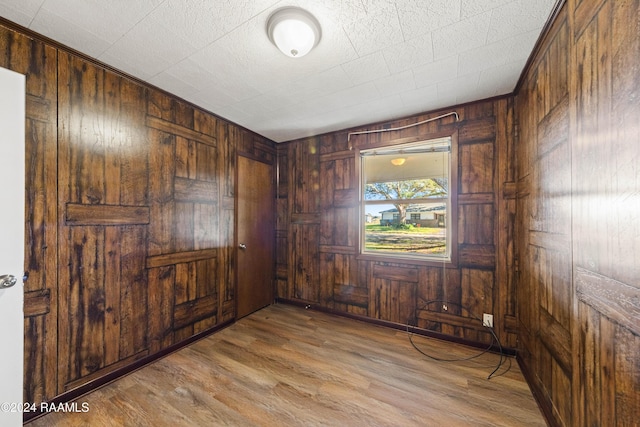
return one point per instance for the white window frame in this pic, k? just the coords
(450, 257)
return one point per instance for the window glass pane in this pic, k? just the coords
(405, 198)
(427, 237)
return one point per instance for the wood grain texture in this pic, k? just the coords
(194, 310)
(37, 61)
(615, 300)
(180, 257)
(102, 173)
(37, 303)
(255, 230)
(542, 229)
(195, 191)
(572, 133)
(119, 175)
(318, 224)
(180, 130)
(577, 215)
(287, 366)
(605, 135)
(79, 214)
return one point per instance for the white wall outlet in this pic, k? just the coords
(487, 320)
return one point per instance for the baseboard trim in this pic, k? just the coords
(96, 383)
(538, 394)
(399, 326)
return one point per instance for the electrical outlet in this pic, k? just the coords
(487, 320)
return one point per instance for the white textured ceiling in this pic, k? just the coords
(377, 60)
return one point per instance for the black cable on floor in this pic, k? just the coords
(445, 304)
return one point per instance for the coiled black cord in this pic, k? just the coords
(445, 304)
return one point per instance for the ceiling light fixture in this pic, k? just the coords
(294, 31)
(398, 162)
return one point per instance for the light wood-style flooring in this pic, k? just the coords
(286, 366)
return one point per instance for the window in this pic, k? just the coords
(407, 190)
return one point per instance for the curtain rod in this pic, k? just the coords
(453, 113)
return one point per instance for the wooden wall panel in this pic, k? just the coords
(283, 223)
(37, 61)
(130, 208)
(606, 270)
(578, 214)
(544, 223)
(318, 228)
(101, 137)
(191, 197)
(477, 167)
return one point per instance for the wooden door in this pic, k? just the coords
(255, 222)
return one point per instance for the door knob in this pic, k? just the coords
(242, 246)
(7, 281)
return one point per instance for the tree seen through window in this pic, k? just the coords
(405, 191)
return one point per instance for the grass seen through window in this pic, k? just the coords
(405, 238)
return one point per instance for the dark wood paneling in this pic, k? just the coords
(37, 61)
(37, 303)
(305, 218)
(475, 198)
(305, 278)
(402, 274)
(103, 174)
(615, 300)
(557, 339)
(542, 226)
(449, 319)
(180, 130)
(577, 215)
(103, 372)
(318, 226)
(78, 214)
(480, 256)
(390, 299)
(130, 218)
(476, 224)
(38, 109)
(478, 129)
(604, 149)
(477, 167)
(504, 295)
(352, 295)
(180, 257)
(195, 191)
(190, 244)
(197, 309)
(345, 198)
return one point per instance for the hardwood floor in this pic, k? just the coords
(284, 365)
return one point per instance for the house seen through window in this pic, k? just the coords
(406, 198)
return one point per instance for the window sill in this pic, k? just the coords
(409, 260)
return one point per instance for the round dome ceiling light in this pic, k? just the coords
(294, 31)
